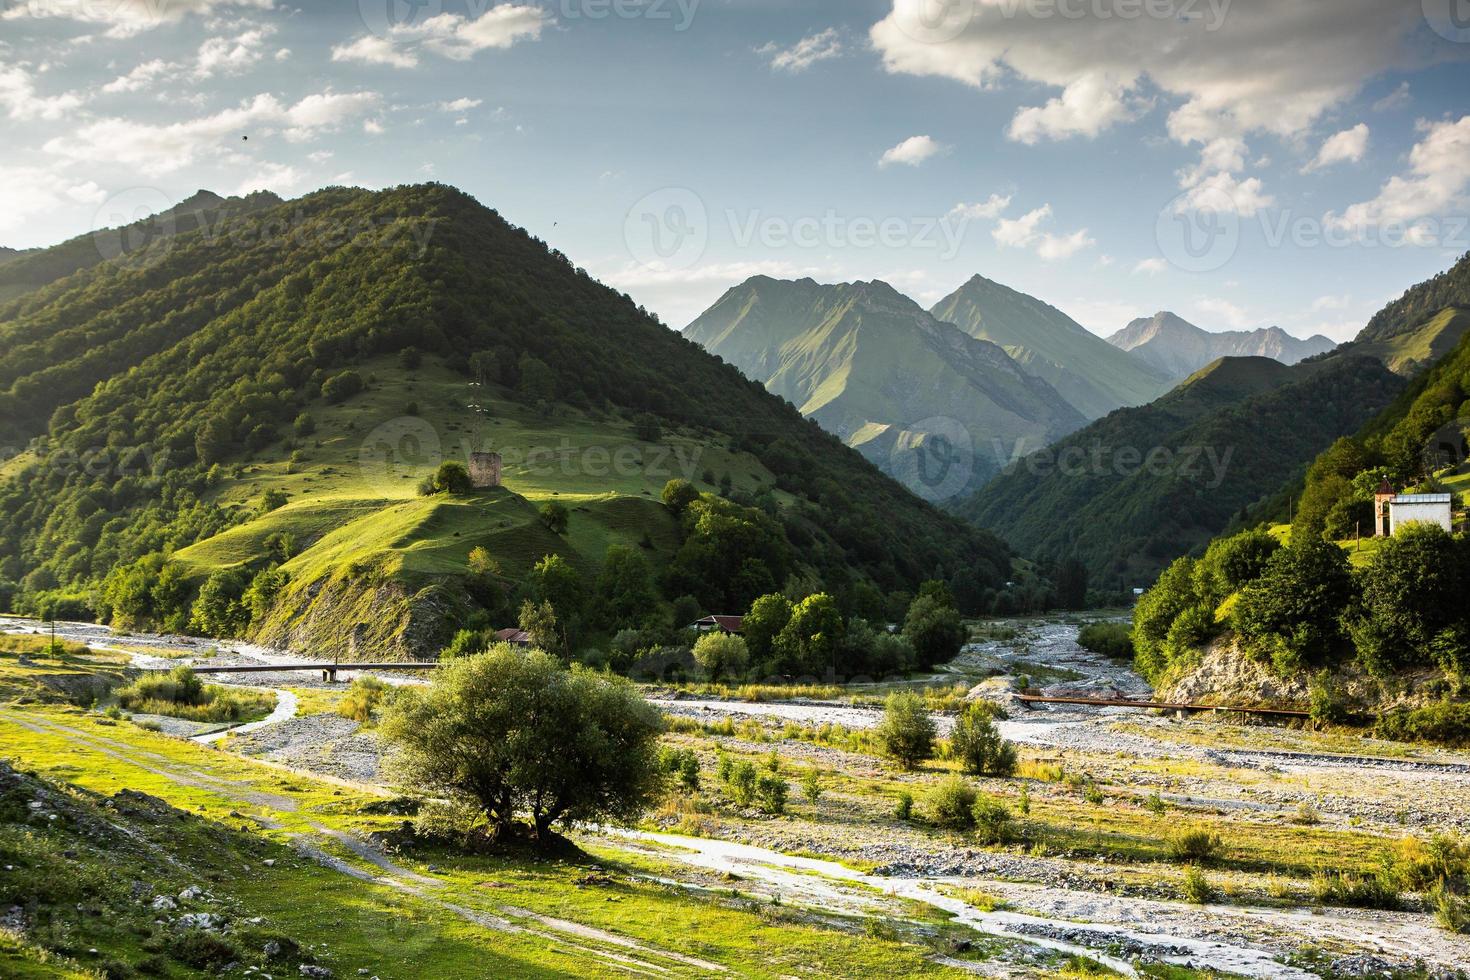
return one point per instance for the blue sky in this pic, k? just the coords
(1316, 153)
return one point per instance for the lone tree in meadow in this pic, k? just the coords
(906, 733)
(528, 743)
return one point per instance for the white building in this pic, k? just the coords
(1423, 508)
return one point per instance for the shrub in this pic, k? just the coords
(906, 733)
(771, 791)
(1445, 723)
(1196, 887)
(743, 782)
(683, 766)
(451, 477)
(518, 733)
(362, 699)
(555, 517)
(181, 694)
(1194, 844)
(811, 786)
(1451, 911)
(978, 746)
(1375, 891)
(1108, 639)
(992, 820)
(951, 804)
(903, 806)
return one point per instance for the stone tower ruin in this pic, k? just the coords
(485, 470)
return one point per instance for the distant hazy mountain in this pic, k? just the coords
(870, 365)
(1088, 372)
(1173, 345)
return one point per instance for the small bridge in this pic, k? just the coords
(329, 671)
(1160, 705)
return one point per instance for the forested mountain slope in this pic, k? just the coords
(1136, 489)
(273, 389)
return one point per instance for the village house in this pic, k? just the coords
(1392, 510)
(724, 624)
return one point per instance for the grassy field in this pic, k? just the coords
(225, 816)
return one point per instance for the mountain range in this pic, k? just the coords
(1177, 348)
(872, 366)
(1092, 376)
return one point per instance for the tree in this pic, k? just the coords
(809, 641)
(450, 477)
(768, 616)
(678, 495)
(1412, 610)
(722, 655)
(646, 427)
(540, 623)
(511, 734)
(935, 630)
(556, 582)
(906, 733)
(625, 587)
(555, 517)
(1156, 611)
(1291, 614)
(340, 387)
(213, 441)
(219, 611)
(1229, 564)
(978, 745)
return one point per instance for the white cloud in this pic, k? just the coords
(278, 178)
(1347, 146)
(372, 127)
(1025, 232)
(1223, 192)
(1150, 267)
(158, 149)
(29, 191)
(1393, 100)
(448, 35)
(1086, 107)
(375, 51)
(1242, 66)
(462, 104)
(20, 101)
(283, 54)
(140, 77)
(911, 152)
(124, 18)
(1234, 317)
(1439, 172)
(991, 207)
(811, 49)
(231, 55)
(1250, 66)
(1323, 303)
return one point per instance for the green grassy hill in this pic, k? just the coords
(194, 409)
(1091, 374)
(870, 365)
(1226, 436)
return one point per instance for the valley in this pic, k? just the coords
(1087, 884)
